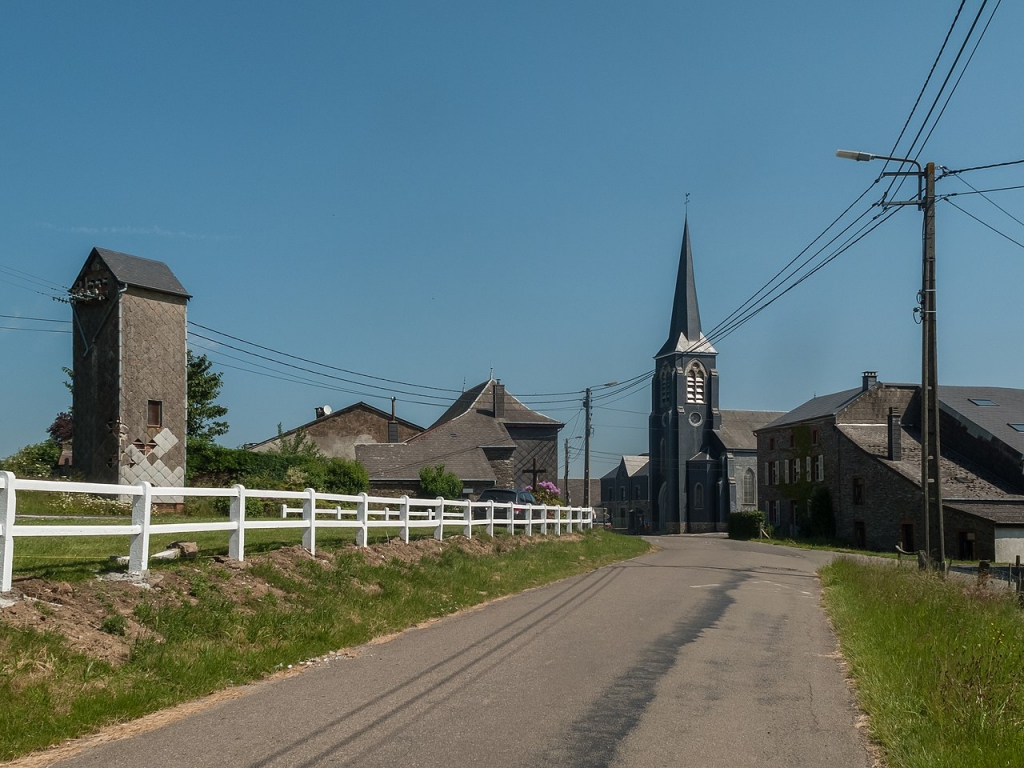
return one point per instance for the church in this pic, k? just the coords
(703, 460)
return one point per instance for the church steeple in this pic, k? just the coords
(684, 333)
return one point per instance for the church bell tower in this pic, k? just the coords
(684, 409)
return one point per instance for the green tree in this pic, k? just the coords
(204, 386)
(437, 481)
(37, 460)
(299, 444)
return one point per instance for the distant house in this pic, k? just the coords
(336, 433)
(129, 349)
(626, 493)
(862, 448)
(487, 437)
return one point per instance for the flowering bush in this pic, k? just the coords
(547, 493)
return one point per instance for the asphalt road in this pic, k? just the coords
(705, 653)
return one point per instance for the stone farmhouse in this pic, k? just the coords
(336, 433)
(863, 447)
(625, 493)
(487, 437)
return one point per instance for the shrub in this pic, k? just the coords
(745, 525)
(437, 481)
(547, 493)
(38, 460)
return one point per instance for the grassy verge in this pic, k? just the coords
(212, 624)
(937, 664)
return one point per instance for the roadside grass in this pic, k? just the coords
(207, 637)
(937, 664)
(825, 545)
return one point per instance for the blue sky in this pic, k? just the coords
(424, 191)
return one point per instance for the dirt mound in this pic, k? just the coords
(98, 617)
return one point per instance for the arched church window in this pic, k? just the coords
(698, 496)
(695, 377)
(749, 492)
(665, 386)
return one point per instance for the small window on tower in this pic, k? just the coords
(155, 414)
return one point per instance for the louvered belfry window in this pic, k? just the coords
(695, 384)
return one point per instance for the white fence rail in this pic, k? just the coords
(318, 511)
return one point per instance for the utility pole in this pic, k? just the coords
(931, 475)
(586, 451)
(565, 481)
(931, 453)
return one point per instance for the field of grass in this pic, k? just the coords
(213, 626)
(938, 665)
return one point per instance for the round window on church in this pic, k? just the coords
(696, 419)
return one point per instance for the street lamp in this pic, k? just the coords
(931, 476)
(586, 443)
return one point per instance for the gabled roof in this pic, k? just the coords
(994, 419)
(138, 272)
(634, 466)
(737, 430)
(816, 408)
(361, 406)
(481, 400)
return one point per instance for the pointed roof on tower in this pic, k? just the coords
(684, 334)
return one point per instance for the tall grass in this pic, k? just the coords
(207, 639)
(937, 664)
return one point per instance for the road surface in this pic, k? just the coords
(707, 652)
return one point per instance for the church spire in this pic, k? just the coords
(684, 331)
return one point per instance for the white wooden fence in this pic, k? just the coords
(361, 513)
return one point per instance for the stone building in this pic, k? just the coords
(336, 433)
(703, 460)
(487, 437)
(129, 348)
(625, 494)
(862, 448)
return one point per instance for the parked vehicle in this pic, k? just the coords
(506, 496)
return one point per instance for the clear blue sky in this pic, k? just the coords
(424, 191)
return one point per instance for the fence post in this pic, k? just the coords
(403, 517)
(439, 530)
(8, 504)
(544, 520)
(142, 511)
(236, 541)
(529, 519)
(490, 518)
(361, 506)
(467, 529)
(309, 515)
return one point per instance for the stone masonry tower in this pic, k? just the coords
(684, 413)
(129, 370)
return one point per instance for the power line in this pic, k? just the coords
(989, 226)
(36, 319)
(36, 330)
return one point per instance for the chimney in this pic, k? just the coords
(499, 400)
(895, 436)
(393, 424)
(870, 378)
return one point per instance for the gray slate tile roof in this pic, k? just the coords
(994, 419)
(737, 431)
(1001, 514)
(481, 399)
(816, 408)
(141, 273)
(961, 479)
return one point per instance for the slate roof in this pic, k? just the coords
(334, 415)
(635, 466)
(457, 439)
(1001, 514)
(993, 419)
(737, 430)
(816, 408)
(141, 273)
(961, 479)
(481, 399)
